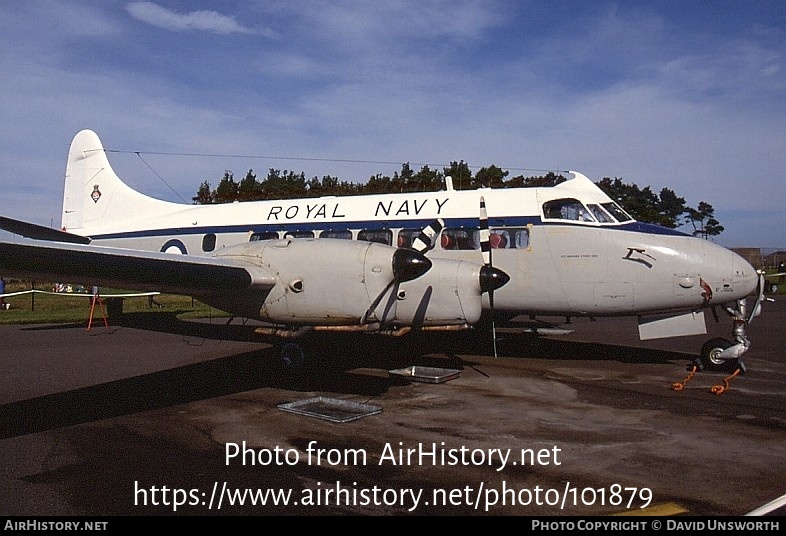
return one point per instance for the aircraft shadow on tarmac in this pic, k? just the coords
(330, 370)
(200, 381)
(367, 348)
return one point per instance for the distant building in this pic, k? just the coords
(752, 255)
(775, 260)
(765, 260)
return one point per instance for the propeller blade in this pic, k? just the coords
(485, 245)
(372, 307)
(759, 299)
(490, 278)
(425, 240)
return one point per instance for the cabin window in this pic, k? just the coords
(381, 236)
(267, 235)
(406, 237)
(457, 239)
(209, 242)
(345, 234)
(615, 210)
(299, 234)
(520, 238)
(499, 239)
(566, 209)
(508, 238)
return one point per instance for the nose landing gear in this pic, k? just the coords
(722, 354)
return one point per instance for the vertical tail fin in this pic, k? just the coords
(94, 196)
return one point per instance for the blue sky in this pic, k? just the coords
(682, 94)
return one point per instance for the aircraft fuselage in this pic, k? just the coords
(559, 263)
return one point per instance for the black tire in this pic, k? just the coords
(293, 355)
(710, 351)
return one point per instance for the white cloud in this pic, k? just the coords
(404, 19)
(204, 20)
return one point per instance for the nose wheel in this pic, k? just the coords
(710, 357)
(722, 354)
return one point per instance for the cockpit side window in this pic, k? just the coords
(601, 215)
(566, 209)
(615, 210)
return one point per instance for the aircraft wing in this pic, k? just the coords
(39, 232)
(292, 282)
(123, 268)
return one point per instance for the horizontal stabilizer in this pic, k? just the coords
(39, 232)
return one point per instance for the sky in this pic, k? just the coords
(685, 95)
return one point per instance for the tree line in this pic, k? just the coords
(664, 208)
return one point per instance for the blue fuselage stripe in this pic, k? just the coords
(515, 221)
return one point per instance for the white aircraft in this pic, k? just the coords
(392, 263)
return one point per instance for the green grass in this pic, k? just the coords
(39, 308)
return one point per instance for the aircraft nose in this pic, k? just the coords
(744, 274)
(728, 273)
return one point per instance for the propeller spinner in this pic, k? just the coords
(409, 264)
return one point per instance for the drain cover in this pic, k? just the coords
(331, 409)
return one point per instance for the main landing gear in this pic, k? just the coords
(293, 355)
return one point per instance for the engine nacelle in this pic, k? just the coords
(330, 282)
(319, 281)
(448, 294)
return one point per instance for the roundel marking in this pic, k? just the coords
(174, 246)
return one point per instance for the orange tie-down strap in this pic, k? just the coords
(716, 389)
(720, 389)
(679, 386)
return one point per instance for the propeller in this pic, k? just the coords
(408, 264)
(759, 299)
(490, 278)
